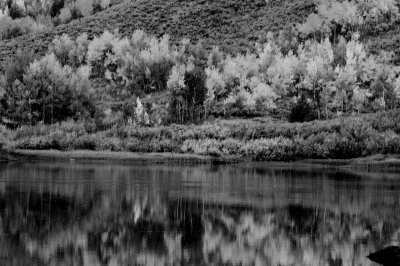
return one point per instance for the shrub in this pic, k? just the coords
(87, 142)
(65, 15)
(277, 149)
(164, 145)
(58, 92)
(392, 145)
(202, 147)
(11, 28)
(231, 146)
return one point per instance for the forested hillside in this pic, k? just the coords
(148, 64)
(231, 24)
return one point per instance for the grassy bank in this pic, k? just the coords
(85, 155)
(255, 139)
(389, 163)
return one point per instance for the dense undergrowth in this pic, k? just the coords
(256, 139)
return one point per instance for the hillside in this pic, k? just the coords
(231, 24)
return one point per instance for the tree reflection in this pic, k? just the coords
(121, 218)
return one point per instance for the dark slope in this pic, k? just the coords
(231, 24)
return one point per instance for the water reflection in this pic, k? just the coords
(253, 214)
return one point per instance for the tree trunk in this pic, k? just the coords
(342, 102)
(52, 106)
(44, 106)
(326, 112)
(30, 111)
(316, 97)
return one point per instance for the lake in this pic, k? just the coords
(99, 213)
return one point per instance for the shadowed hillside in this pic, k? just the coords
(231, 24)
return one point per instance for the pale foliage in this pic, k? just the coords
(281, 74)
(374, 10)
(44, 20)
(397, 88)
(176, 81)
(360, 97)
(264, 95)
(351, 15)
(65, 15)
(128, 59)
(105, 3)
(258, 96)
(355, 52)
(47, 67)
(10, 28)
(315, 68)
(156, 50)
(267, 54)
(54, 87)
(49, 74)
(332, 77)
(141, 115)
(69, 51)
(2, 92)
(79, 80)
(85, 6)
(313, 24)
(61, 47)
(99, 45)
(77, 55)
(215, 57)
(342, 13)
(215, 82)
(98, 51)
(240, 68)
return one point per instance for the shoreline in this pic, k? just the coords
(391, 161)
(88, 155)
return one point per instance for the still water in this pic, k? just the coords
(62, 213)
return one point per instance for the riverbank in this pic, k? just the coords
(259, 139)
(379, 161)
(373, 162)
(87, 155)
